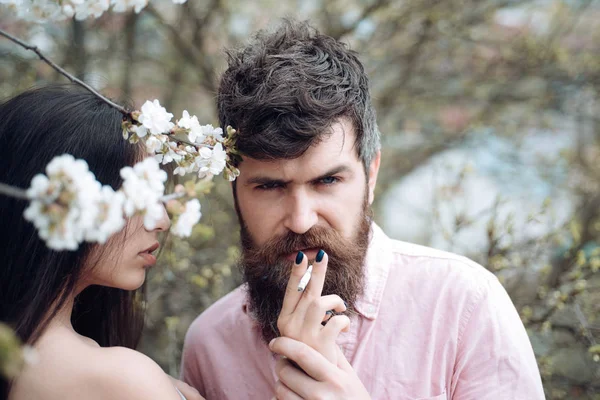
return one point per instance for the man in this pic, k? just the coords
(425, 324)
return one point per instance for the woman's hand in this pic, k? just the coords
(303, 311)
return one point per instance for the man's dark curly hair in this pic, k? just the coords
(284, 90)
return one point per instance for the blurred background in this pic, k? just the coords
(490, 119)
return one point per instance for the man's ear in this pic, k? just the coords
(373, 171)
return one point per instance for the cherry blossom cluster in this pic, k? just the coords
(69, 206)
(57, 10)
(202, 151)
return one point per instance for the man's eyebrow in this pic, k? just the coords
(263, 180)
(334, 171)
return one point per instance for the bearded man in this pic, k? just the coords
(425, 324)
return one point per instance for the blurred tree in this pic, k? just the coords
(441, 72)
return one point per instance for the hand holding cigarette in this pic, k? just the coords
(304, 309)
(305, 279)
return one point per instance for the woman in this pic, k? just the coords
(83, 310)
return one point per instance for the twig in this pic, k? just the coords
(13, 191)
(183, 141)
(584, 324)
(172, 196)
(73, 79)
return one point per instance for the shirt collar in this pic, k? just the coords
(376, 269)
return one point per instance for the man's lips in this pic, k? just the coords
(149, 258)
(311, 253)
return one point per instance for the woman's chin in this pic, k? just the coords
(133, 281)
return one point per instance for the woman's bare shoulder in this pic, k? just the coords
(122, 373)
(72, 368)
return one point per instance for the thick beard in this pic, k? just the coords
(266, 270)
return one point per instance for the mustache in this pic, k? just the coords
(276, 248)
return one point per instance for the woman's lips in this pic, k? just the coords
(150, 249)
(149, 258)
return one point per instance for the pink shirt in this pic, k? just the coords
(431, 326)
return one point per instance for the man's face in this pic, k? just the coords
(318, 200)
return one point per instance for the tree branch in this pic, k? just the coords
(584, 325)
(13, 191)
(188, 50)
(386, 100)
(129, 54)
(366, 12)
(70, 77)
(183, 141)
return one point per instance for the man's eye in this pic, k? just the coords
(329, 180)
(269, 186)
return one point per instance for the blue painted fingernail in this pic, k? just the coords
(345, 304)
(299, 257)
(320, 255)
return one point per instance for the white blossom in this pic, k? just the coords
(139, 130)
(153, 213)
(187, 220)
(110, 218)
(212, 161)
(37, 11)
(68, 205)
(68, 10)
(53, 10)
(210, 131)
(64, 203)
(155, 143)
(182, 170)
(186, 163)
(173, 154)
(155, 118)
(124, 5)
(196, 134)
(88, 8)
(41, 187)
(232, 173)
(143, 186)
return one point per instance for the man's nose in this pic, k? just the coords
(301, 214)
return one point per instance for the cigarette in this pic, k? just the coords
(305, 279)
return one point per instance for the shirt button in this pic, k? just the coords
(371, 309)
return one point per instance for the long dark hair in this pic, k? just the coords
(35, 281)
